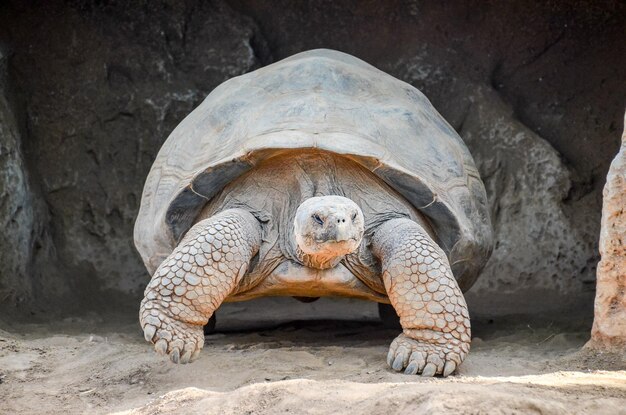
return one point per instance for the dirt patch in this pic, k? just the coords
(270, 356)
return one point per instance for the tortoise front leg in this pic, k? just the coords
(194, 280)
(422, 289)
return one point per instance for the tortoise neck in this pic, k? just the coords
(317, 261)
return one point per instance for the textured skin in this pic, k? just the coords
(194, 280)
(306, 175)
(421, 287)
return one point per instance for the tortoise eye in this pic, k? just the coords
(318, 219)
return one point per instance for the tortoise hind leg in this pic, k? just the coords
(193, 281)
(424, 293)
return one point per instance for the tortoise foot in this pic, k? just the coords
(424, 357)
(180, 341)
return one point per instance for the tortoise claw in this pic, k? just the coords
(449, 368)
(429, 371)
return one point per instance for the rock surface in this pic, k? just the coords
(527, 183)
(102, 88)
(99, 86)
(18, 219)
(609, 325)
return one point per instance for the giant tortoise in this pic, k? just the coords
(318, 175)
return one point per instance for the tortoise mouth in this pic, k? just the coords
(326, 241)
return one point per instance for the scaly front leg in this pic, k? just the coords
(194, 280)
(422, 289)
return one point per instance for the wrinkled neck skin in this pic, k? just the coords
(317, 261)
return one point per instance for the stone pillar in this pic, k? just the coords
(609, 325)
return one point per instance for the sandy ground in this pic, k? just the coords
(278, 356)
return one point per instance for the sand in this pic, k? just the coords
(278, 356)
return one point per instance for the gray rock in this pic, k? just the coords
(116, 81)
(17, 219)
(538, 252)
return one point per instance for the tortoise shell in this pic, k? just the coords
(331, 101)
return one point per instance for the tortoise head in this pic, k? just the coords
(326, 229)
